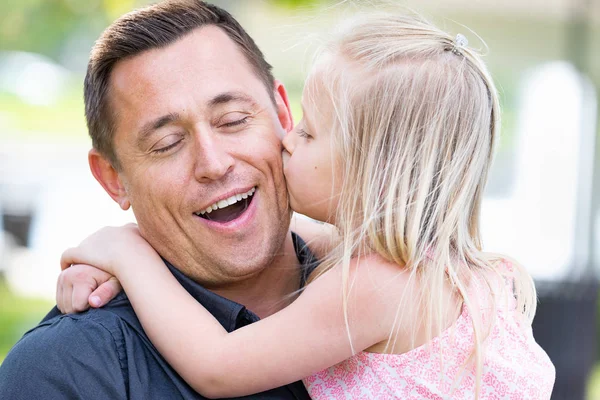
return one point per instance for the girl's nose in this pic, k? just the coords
(288, 141)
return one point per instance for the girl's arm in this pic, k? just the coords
(304, 338)
(82, 286)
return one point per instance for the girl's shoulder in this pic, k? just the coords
(376, 261)
(382, 285)
(379, 270)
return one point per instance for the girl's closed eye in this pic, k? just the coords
(302, 133)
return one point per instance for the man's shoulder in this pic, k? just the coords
(65, 354)
(64, 335)
(110, 318)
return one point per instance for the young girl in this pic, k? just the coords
(400, 121)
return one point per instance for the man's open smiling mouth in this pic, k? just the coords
(228, 209)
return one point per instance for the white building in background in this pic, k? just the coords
(2, 240)
(544, 220)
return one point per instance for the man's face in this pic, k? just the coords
(196, 129)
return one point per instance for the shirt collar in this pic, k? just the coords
(226, 311)
(230, 314)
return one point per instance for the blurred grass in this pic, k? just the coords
(593, 390)
(17, 316)
(23, 121)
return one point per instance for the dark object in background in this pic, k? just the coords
(18, 226)
(565, 326)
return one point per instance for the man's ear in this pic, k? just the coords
(284, 112)
(109, 178)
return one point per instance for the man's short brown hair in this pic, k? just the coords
(152, 27)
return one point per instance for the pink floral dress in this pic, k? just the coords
(515, 367)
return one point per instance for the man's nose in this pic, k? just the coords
(213, 158)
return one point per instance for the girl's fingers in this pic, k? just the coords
(79, 297)
(75, 285)
(59, 294)
(65, 297)
(69, 257)
(105, 293)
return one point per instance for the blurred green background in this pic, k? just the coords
(58, 34)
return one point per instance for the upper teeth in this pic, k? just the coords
(228, 201)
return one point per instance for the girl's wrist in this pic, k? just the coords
(143, 257)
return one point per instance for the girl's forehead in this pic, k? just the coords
(318, 89)
(311, 93)
(317, 102)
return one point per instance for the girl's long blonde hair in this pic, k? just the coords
(416, 119)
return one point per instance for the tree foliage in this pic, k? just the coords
(45, 26)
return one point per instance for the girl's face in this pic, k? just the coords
(310, 162)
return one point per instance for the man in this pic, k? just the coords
(185, 116)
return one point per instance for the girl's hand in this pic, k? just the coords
(108, 249)
(89, 270)
(83, 285)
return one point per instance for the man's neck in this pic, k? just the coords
(272, 289)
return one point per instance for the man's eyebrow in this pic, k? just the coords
(158, 123)
(228, 97)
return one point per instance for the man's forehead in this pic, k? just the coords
(191, 72)
(202, 51)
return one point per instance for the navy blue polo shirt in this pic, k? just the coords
(105, 354)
